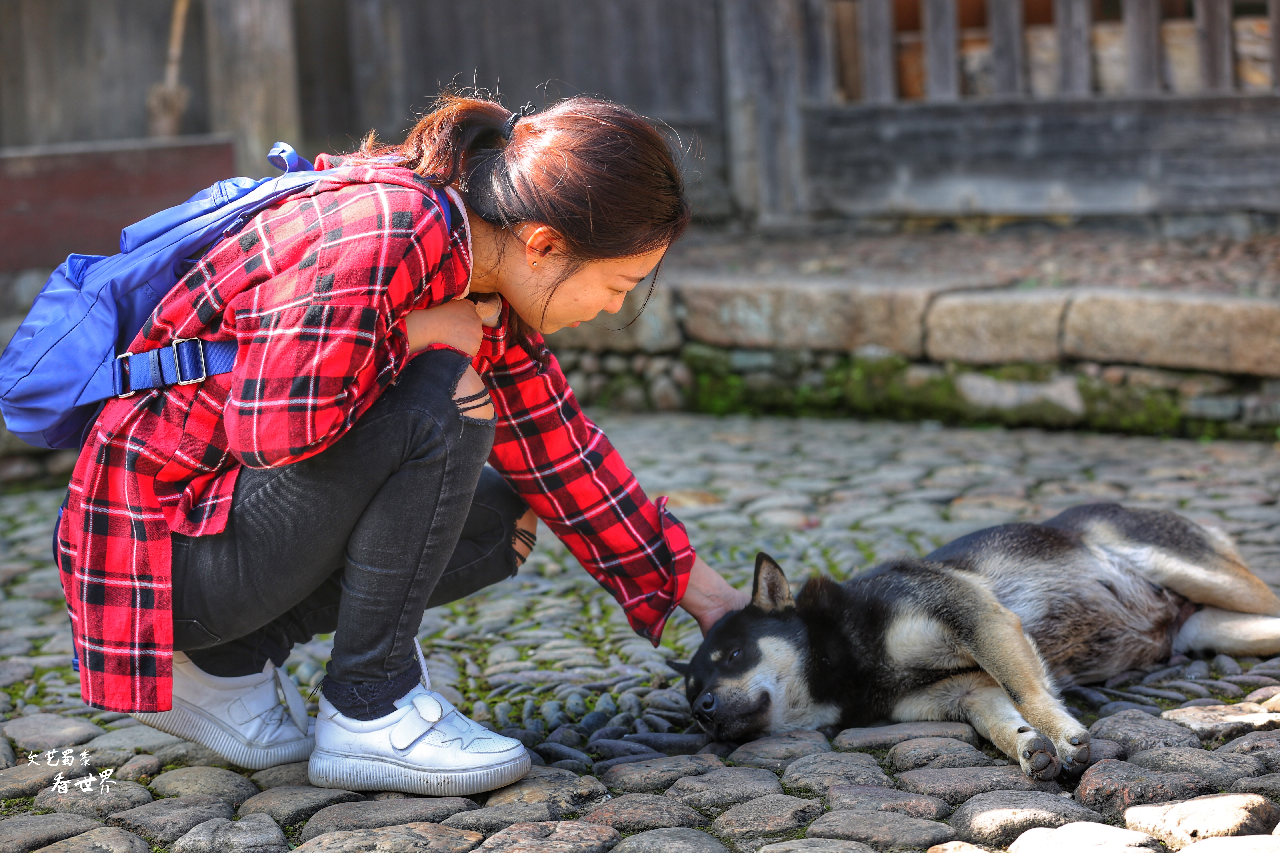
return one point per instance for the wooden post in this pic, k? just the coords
(378, 67)
(1008, 50)
(849, 77)
(253, 77)
(1273, 17)
(1072, 19)
(324, 75)
(820, 64)
(941, 50)
(1142, 46)
(878, 51)
(762, 51)
(1217, 57)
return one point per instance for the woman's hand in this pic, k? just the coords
(709, 596)
(456, 324)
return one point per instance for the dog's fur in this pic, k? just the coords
(983, 630)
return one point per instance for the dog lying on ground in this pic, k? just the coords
(982, 631)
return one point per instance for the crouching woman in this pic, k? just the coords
(388, 325)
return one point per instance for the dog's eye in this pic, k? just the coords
(734, 654)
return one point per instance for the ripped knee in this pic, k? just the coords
(526, 536)
(472, 397)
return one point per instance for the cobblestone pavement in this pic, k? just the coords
(549, 657)
(1027, 255)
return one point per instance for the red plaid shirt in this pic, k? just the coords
(315, 291)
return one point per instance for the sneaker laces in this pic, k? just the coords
(437, 706)
(438, 713)
(290, 702)
(422, 664)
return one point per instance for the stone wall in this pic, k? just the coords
(956, 351)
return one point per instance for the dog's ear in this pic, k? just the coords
(679, 666)
(771, 591)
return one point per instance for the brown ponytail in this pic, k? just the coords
(597, 173)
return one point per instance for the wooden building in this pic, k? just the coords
(788, 111)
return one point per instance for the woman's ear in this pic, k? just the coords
(538, 243)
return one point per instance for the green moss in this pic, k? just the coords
(293, 832)
(612, 393)
(718, 395)
(1214, 430)
(1027, 372)
(703, 359)
(19, 806)
(1144, 411)
(42, 483)
(890, 387)
(880, 387)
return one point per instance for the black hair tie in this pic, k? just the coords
(509, 126)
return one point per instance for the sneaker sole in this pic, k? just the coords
(190, 725)
(365, 773)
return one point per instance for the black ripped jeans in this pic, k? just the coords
(398, 515)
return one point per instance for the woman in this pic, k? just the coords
(335, 479)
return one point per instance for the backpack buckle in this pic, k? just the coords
(177, 362)
(123, 373)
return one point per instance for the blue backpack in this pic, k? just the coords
(62, 362)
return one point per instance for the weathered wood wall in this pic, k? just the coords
(1104, 156)
(660, 57)
(78, 70)
(748, 86)
(321, 73)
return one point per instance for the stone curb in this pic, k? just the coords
(639, 359)
(964, 321)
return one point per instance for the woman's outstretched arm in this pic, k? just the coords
(709, 596)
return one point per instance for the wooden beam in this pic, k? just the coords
(1072, 19)
(877, 50)
(1008, 51)
(1142, 46)
(941, 50)
(762, 51)
(1217, 56)
(253, 77)
(1115, 156)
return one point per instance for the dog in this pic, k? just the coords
(984, 630)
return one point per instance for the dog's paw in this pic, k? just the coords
(1037, 755)
(1075, 753)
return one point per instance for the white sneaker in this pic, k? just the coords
(425, 746)
(253, 721)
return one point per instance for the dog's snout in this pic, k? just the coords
(706, 703)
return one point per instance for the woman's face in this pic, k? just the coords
(594, 287)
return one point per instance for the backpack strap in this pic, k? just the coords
(442, 199)
(184, 362)
(190, 360)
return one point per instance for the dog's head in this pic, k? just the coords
(748, 677)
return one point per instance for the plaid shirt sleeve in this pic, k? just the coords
(573, 478)
(326, 336)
